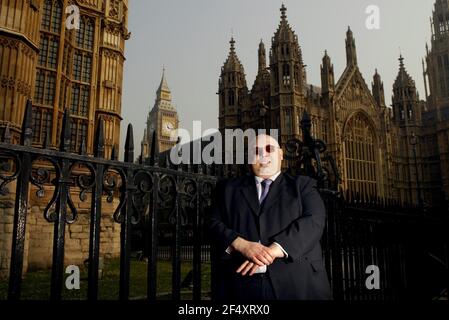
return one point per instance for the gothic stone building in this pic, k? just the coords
(60, 67)
(374, 145)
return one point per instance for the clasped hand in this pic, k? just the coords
(257, 255)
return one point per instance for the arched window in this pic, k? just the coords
(231, 97)
(286, 74)
(56, 17)
(80, 34)
(297, 76)
(46, 15)
(78, 129)
(89, 38)
(52, 16)
(81, 80)
(79, 105)
(45, 85)
(410, 112)
(360, 156)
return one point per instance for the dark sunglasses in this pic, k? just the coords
(269, 148)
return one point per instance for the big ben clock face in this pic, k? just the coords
(168, 126)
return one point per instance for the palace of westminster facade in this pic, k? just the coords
(79, 68)
(374, 145)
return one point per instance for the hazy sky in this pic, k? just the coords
(191, 38)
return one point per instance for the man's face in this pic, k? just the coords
(268, 156)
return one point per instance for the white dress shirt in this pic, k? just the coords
(258, 181)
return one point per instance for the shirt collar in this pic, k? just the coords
(272, 178)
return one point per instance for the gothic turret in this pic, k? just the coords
(351, 52)
(327, 77)
(256, 115)
(262, 81)
(406, 106)
(378, 90)
(286, 63)
(232, 90)
(437, 61)
(262, 57)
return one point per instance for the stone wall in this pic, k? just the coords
(6, 223)
(39, 232)
(7, 203)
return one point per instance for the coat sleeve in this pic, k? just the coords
(304, 233)
(221, 235)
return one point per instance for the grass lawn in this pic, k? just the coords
(36, 285)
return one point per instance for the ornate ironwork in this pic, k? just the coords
(153, 197)
(310, 157)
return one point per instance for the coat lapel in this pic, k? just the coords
(274, 193)
(249, 191)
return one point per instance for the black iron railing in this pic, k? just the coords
(143, 191)
(360, 231)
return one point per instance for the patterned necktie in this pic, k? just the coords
(265, 188)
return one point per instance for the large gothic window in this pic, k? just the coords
(81, 81)
(443, 25)
(51, 16)
(360, 156)
(45, 86)
(48, 51)
(78, 130)
(80, 101)
(42, 124)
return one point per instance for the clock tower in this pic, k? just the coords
(162, 119)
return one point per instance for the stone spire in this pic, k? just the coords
(378, 89)
(406, 108)
(327, 75)
(286, 60)
(351, 52)
(262, 56)
(403, 79)
(232, 63)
